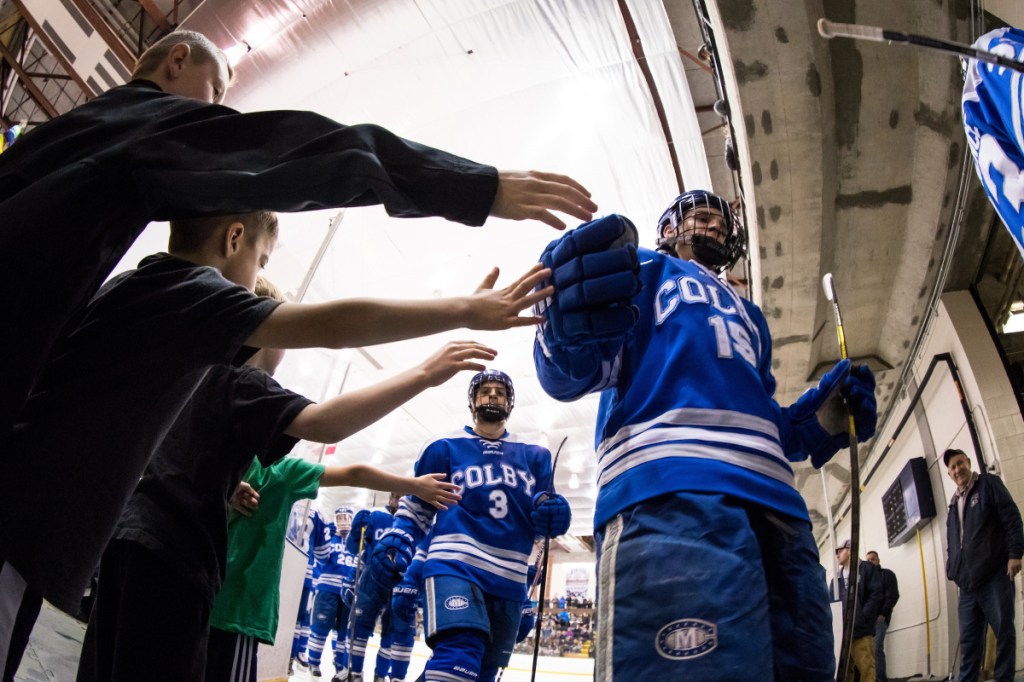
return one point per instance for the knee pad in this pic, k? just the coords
(458, 652)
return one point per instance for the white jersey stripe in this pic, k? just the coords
(745, 460)
(517, 576)
(489, 550)
(693, 436)
(438, 549)
(695, 417)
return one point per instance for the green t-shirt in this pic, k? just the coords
(249, 599)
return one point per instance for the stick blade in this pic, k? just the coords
(829, 286)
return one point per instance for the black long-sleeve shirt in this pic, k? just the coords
(78, 190)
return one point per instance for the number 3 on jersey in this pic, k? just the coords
(499, 504)
(732, 339)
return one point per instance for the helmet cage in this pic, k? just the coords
(709, 250)
(481, 378)
(343, 519)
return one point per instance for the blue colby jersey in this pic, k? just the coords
(487, 538)
(314, 537)
(686, 401)
(375, 522)
(337, 567)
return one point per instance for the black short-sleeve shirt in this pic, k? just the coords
(114, 387)
(178, 510)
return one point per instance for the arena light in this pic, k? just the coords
(1015, 322)
(236, 52)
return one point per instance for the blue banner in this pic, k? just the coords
(992, 102)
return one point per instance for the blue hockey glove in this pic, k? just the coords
(818, 417)
(859, 392)
(595, 273)
(390, 557)
(526, 622)
(404, 601)
(347, 595)
(551, 514)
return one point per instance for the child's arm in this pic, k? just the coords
(338, 418)
(429, 488)
(364, 322)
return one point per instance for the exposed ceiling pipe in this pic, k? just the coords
(641, 60)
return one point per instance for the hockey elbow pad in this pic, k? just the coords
(390, 557)
(595, 273)
(818, 419)
(551, 514)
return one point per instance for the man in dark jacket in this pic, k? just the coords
(984, 543)
(869, 605)
(890, 595)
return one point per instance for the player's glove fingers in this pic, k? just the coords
(611, 231)
(608, 322)
(616, 288)
(594, 265)
(834, 378)
(863, 407)
(860, 375)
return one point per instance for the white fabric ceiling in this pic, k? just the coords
(548, 85)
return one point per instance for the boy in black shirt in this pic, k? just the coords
(166, 562)
(116, 383)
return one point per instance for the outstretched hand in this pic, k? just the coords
(431, 488)
(454, 357)
(497, 309)
(532, 195)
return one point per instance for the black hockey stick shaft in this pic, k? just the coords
(850, 605)
(355, 594)
(830, 29)
(543, 577)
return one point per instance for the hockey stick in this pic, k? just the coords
(829, 29)
(355, 596)
(829, 285)
(831, 523)
(543, 580)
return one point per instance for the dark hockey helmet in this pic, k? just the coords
(713, 253)
(486, 412)
(343, 519)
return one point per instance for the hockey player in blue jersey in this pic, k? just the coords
(372, 601)
(694, 453)
(405, 605)
(313, 535)
(333, 596)
(476, 566)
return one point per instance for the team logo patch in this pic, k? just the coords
(456, 603)
(682, 640)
